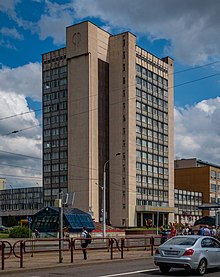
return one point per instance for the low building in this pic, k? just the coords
(19, 203)
(197, 175)
(186, 206)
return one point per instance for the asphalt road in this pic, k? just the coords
(136, 268)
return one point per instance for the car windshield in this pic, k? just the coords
(181, 241)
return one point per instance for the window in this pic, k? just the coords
(138, 92)
(138, 80)
(208, 242)
(138, 141)
(138, 129)
(63, 166)
(213, 200)
(138, 105)
(138, 166)
(138, 178)
(213, 187)
(213, 174)
(144, 167)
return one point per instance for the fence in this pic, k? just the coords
(21, 248)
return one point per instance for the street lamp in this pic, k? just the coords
(158, 217)
(11, 197)
(104, 195)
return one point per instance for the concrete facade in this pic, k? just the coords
(118, 98)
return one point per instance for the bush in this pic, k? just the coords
(19, 232)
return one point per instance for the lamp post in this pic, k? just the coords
(104, 195)
(61, 226)
(11, 198)
(158, 217)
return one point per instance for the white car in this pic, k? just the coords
(190, 252)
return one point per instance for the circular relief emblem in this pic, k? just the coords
(76, 39)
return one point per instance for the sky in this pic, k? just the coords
(187, 31)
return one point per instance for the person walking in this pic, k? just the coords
(213, 232)
(37, 234)
(84, 243)
(206, 231)
(200, 231)
(190, 231)
(173, 231)
(163, 235)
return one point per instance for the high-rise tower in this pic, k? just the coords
(103, 94)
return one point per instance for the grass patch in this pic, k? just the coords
(4, 235)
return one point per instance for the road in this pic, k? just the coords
(136, 268)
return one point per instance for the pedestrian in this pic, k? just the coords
(206, 231)
(213, 232)
(173, 231)
(163, 235)
(84, 243)
(218, 232)
(190, 231)
(200, 231)
(66, 232)
(186, 230)
(37, 234)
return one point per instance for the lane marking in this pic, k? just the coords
(129, 273)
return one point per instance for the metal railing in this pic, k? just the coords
(112, 245)
(5, 252)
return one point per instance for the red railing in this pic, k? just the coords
(5, 251)
(32, 246)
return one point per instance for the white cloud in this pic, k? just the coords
(7, 44)
(11, 32)
(197, 131)
(9, 6)
(23, 80)
(54, 21)
(15, 86)
(191, 26)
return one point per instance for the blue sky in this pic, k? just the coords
(184, 30)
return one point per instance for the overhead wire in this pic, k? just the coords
(21, 130)
(22, 155)
(196, 67)
(28, 168)
(16, 131)
(177, 72)
(23, 113)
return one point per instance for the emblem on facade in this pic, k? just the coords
(76, 39)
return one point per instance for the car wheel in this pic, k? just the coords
(202, 267)
(165, 269)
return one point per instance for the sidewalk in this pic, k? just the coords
(48, 260)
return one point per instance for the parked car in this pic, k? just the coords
(3, 228)
(190, 252)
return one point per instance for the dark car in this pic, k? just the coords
(3, 228)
